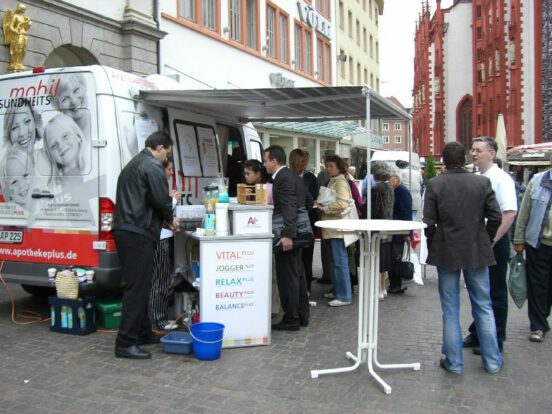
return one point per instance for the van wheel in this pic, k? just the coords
(39, 291)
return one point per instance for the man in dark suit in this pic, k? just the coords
(288, 193)
(455, 208)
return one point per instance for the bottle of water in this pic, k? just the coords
(69, 317)
(64, 316)
(52, 316)
(82, 318)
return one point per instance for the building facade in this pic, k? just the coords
(119, 33)
(357, 42)
(395, 132)
(474, 61)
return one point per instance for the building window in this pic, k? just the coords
(308, 52)
(251, 24)
(244, 11)
(341, 16)
(342, 64)
(397, 139)
(351, 70)
(365, 76)
(187, 9)
(377, 52)
(364, 39)
(283, 38)
(359, 73)
(323, 7)
(201, 12)
(371, 80)
(376, 14)
(271, 31)
(385, 139)
(323, 60)
(371, 47)
(397, 126)
(370, 9)
(298, 47)
(358, 32)
(235, 20)
(364, 5)
(303, 49)
(350, 21)
(277, 34)
(385, 126)
(208, 11)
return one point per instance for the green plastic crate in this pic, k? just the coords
(108, 313)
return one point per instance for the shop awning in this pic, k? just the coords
(281, 104)
(330, 129)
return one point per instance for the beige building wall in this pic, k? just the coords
(357, 42)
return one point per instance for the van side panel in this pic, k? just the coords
(48, 169)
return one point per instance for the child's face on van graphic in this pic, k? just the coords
(72, 98)
(23, 130)
(19, 181)
(64, 146)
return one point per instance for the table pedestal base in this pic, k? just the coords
(368, 319)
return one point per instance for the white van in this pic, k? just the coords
(392, 156)
(67, 133)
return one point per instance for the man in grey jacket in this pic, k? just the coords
(142, 206)
(456, 205)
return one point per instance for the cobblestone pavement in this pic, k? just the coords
(45, 372)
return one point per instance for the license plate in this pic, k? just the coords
(11, 236)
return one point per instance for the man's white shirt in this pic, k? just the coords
(504, 188)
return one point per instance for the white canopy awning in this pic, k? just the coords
(281, 104)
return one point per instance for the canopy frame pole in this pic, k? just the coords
(366, 93)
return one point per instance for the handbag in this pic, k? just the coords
(517, 280)
(352, 214)
(402, 266)
(304, 236)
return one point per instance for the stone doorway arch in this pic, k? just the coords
(69, 55)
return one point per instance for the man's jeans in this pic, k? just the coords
(340, 271)
(477, 282)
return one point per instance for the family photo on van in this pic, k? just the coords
(45, 152)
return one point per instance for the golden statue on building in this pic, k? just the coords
(16, 26)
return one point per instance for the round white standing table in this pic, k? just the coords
(371, 233)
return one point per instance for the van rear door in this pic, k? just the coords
(49, 194)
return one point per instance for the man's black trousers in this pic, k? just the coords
(136, 255)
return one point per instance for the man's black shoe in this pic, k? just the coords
(477, 349)
(324, 281)
(282, 326)
(470, 341)
(304, 323)
(131, 352)
(395, 291)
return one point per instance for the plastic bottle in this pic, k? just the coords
(209, 221)
(69, 317)
(82, 318)
(52, 316)
(222, 190)
(221, 220)
(64, 316)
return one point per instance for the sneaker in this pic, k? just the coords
(384, 292)
(337, 302)
(381, 296)
(329, 295)
(537, 336)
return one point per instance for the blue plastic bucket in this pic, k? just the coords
(207, 340)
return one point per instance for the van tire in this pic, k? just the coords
(39, 291)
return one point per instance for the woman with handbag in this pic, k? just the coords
(338, 209)
(402, 210)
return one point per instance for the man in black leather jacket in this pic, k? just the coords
(143, 206)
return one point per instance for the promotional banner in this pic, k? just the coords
(235, 289)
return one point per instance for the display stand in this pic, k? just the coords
(235, 275)
(371, 232)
